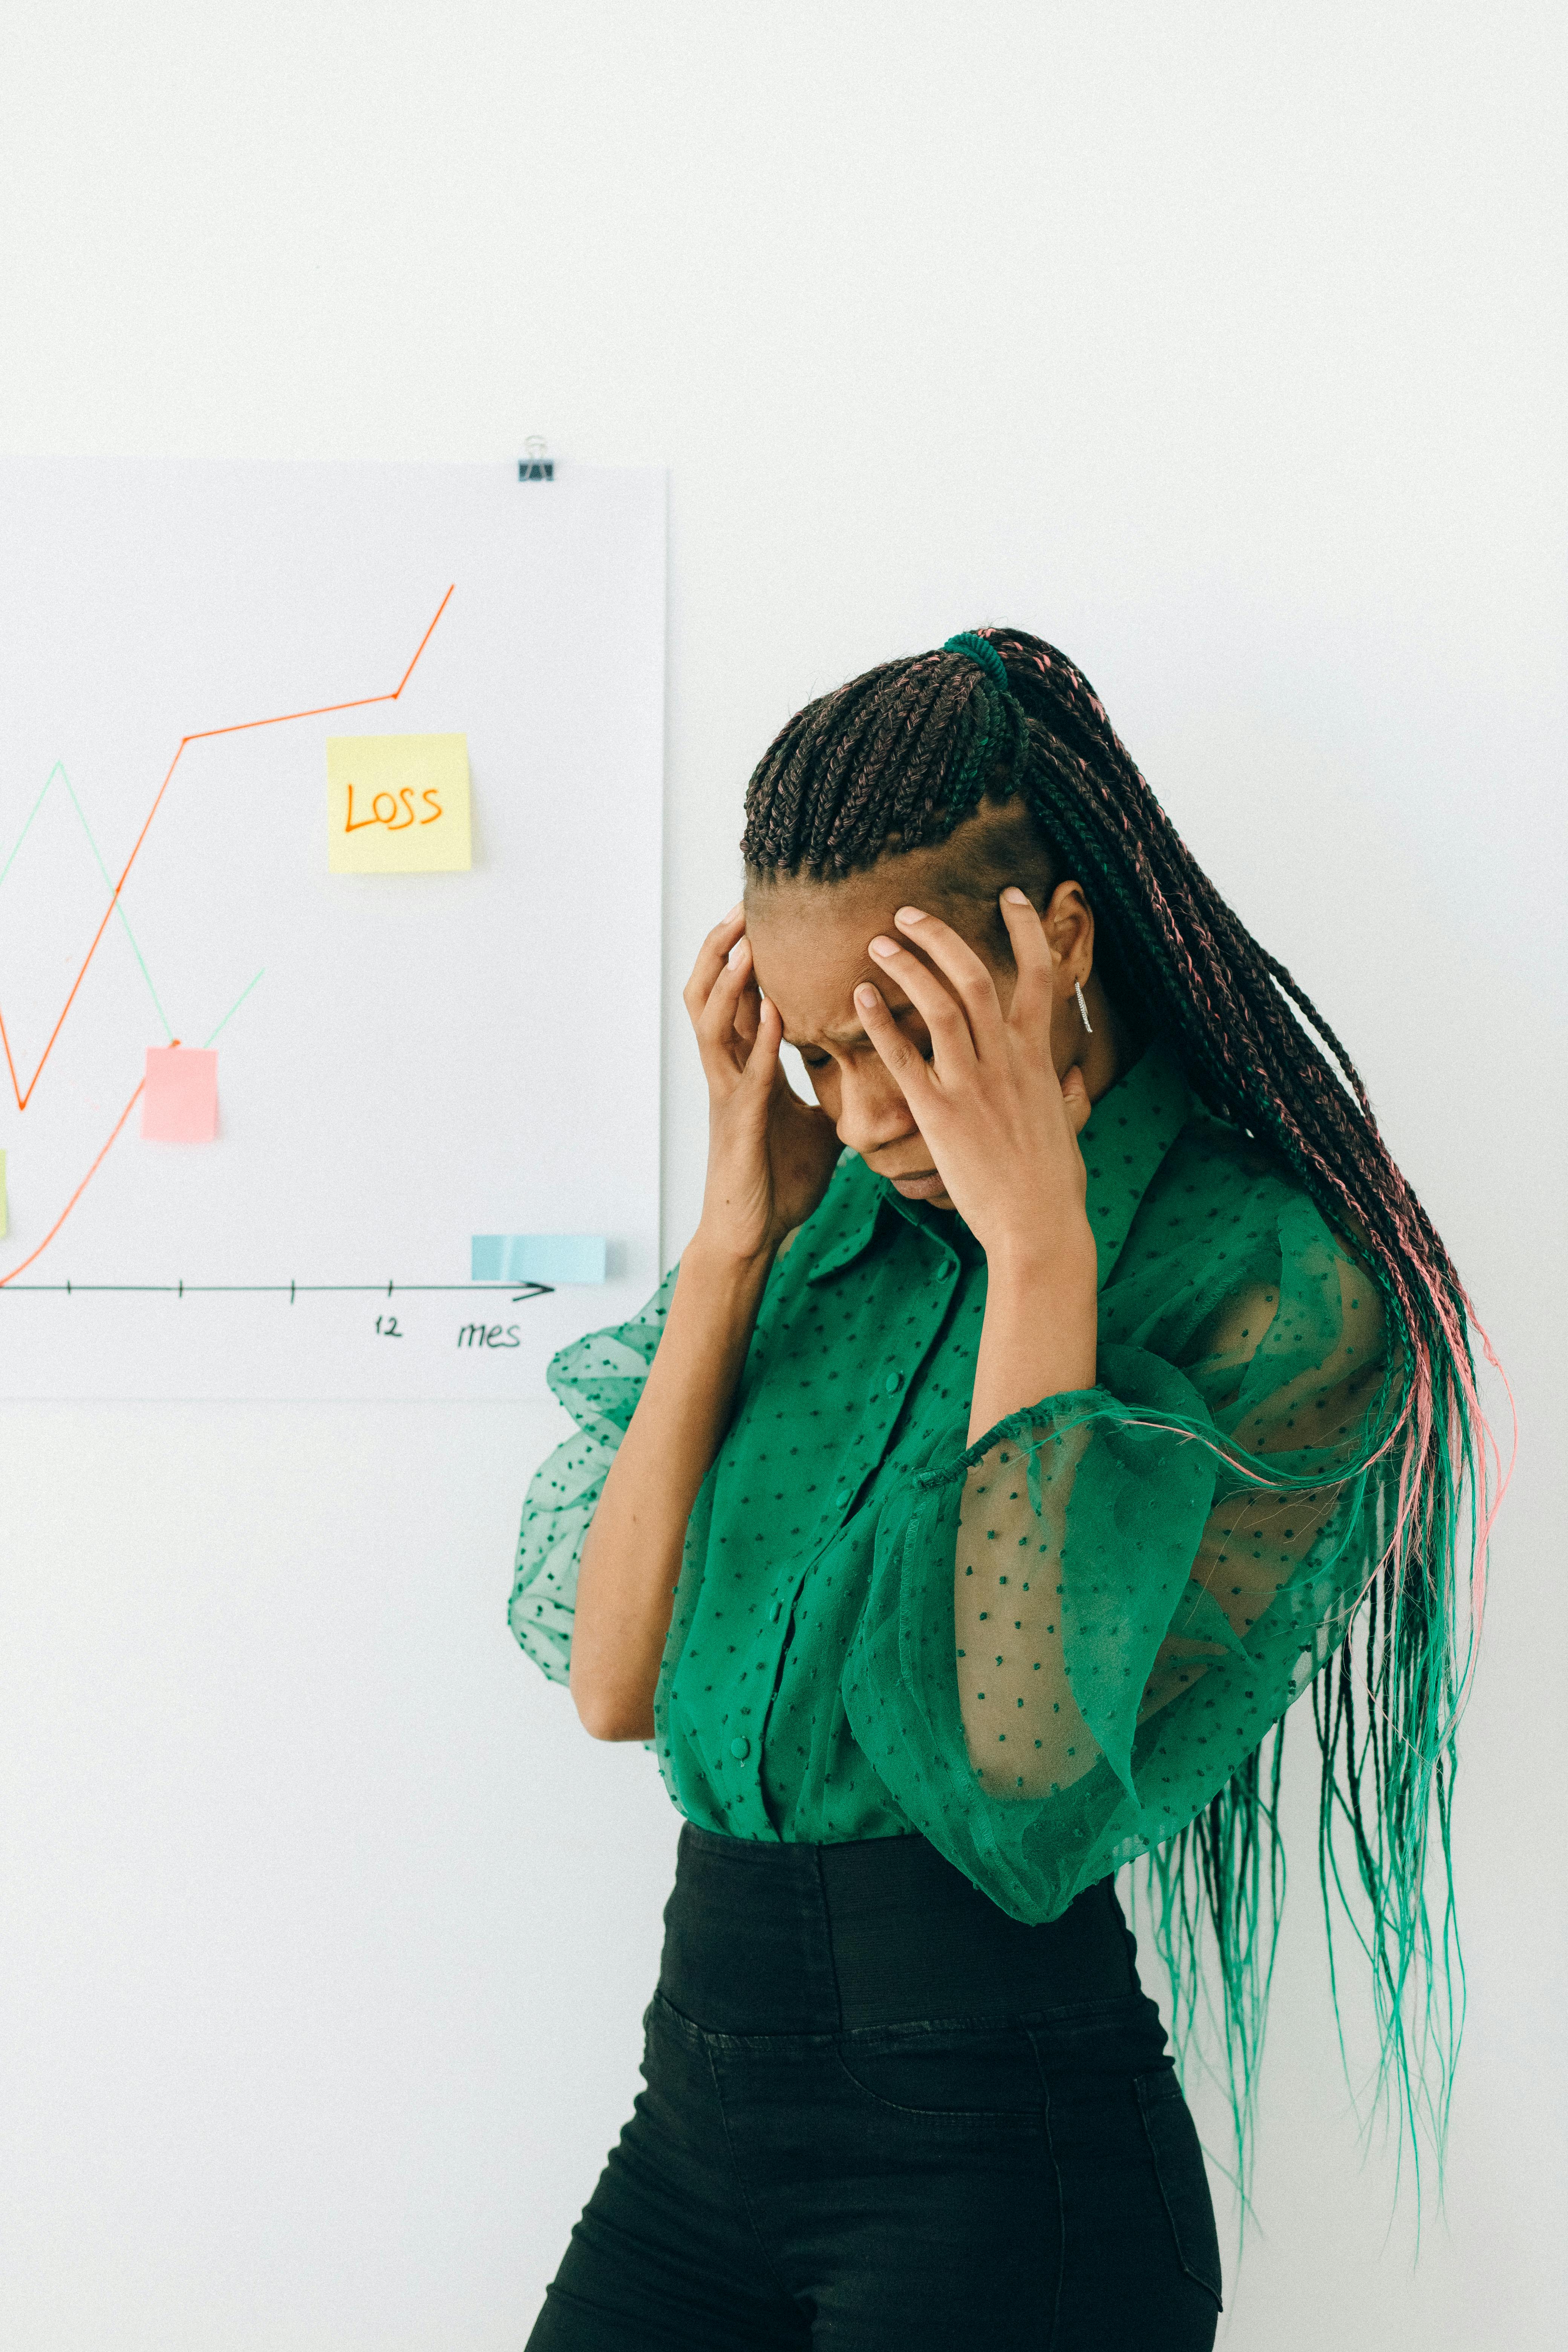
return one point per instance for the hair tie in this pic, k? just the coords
(980, 649)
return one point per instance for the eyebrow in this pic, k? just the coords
(843, 1036)
(829, 1037)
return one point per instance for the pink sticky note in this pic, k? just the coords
(179, 1098)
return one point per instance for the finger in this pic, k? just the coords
(750, 998)
(763, 1061)
(1074, 1098)
(953, 957)
(711, 957)
(944, 1015)
(718, 1041)
(1032, 954)
(906, 1064)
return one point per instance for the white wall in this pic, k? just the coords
(1219, 344)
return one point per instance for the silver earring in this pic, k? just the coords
(1083, 1008)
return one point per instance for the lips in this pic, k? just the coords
(924, 1185)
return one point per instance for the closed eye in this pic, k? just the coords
(905, 1013)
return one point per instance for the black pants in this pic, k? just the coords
(882, 2115)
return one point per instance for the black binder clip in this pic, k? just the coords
(533, 465)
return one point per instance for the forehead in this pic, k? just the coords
(811, 940)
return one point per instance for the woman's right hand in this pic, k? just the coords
(770, 1155)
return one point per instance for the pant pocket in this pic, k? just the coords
(1179, 2168)
(976, 2074)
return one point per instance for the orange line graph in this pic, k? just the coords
(76, 1196)
(198, 735)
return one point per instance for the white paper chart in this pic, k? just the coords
(425, 1071)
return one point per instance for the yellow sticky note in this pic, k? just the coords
(397, 804)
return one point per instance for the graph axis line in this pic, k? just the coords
(519, 1293)
(6, 1279)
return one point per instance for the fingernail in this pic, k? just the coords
(908, 915)
(738, 909)
(883, 947)
(866, 998)
(742, 949)
(1014, 897)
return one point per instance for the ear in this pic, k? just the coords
(1069, 930)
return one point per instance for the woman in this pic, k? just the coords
(1019, 1435)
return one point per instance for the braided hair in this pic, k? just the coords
(904, 757)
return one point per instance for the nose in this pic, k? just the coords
(872, 1112)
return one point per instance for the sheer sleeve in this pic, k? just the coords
(1079, 1627)
(598, 1379)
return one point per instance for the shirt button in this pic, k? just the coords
(893, 1383)
(839, 1501)
(741, 1747)
(776, 1612)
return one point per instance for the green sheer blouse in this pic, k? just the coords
(1048, 1650)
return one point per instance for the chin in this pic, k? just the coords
(931, 1199)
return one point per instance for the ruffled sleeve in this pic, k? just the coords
(1078, 1629)
(598, 1379)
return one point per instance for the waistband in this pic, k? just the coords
(770, 1939)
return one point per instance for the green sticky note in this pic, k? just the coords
(537, 1257)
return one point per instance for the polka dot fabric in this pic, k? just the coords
(599, 1381)
(1050, 1651)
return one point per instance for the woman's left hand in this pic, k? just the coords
(1001, 1126)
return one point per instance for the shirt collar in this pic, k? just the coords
(862, 1199)
(1128, 1134)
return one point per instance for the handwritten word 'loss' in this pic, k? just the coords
(384, 810)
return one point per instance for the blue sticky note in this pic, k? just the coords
(537, 1257)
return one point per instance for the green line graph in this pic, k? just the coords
(234, 1008)
(59, 771)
